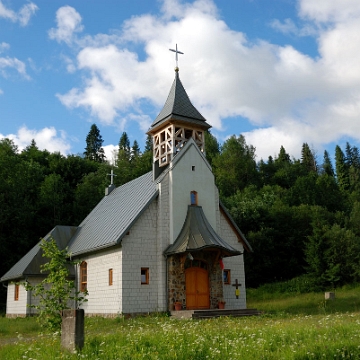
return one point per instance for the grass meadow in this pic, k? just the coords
(300, 326)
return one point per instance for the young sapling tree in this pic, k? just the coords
(57, 290)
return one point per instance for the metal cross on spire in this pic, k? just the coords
(176, 51)
(112, 177)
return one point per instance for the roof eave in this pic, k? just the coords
(197, 234)
(206, 247)
(241, 236)
(178, 119)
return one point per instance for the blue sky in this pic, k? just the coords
(281, 72)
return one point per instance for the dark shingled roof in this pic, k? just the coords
(29, 265)
(114, 215)
(179, 107)
(198, 234)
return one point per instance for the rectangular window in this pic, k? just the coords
(83, 276)
(16, 294)
(110, 276)
(144, 276)
(227, 280)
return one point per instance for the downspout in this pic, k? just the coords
(166, 283)
(76, 285)
(28, 303)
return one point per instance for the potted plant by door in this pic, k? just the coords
(221, 304)
(178, 305)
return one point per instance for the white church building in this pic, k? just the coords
(161, 239)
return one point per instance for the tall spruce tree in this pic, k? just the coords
(94, 141)
(148, 144)
(327, 166)
(123, 163)
(308, 159)
(135, 150)
(352, 157)
(124, 148)
(283, 157)
(352, 160)
(342, 169)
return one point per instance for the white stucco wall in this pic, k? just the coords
(16, 307)
(183, 180)
(19, 307)
(103, 299)
(236, 266)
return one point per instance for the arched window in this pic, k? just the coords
(83, 276)
(193, 198)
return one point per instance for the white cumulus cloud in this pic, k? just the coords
(68, 23)
(47, 138)
(290, 97)
(23, 16)
(7, 63)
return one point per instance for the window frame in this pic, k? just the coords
(228, 281)
(194, 198)
(83, 276)
(146, 270)
(16, 292)
(111, 277)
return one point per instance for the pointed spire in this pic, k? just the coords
(178, 106)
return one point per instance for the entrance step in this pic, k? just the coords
(182, 314)
(212, 313)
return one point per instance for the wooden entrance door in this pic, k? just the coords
(197, 288)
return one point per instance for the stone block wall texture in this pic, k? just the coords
(177, 281)
(141, 250)
(73, 329)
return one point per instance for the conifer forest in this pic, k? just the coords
(301, 216)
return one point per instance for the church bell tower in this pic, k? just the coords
(176, 123)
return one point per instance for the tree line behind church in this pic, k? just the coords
(301, 216)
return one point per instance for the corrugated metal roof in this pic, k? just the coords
(179, 104)
(29, 265)
(198, 234)
(108, 223)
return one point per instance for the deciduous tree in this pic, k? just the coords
(57, 291)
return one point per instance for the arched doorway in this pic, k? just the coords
(197, 285)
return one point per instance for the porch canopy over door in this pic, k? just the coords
(197, 234)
